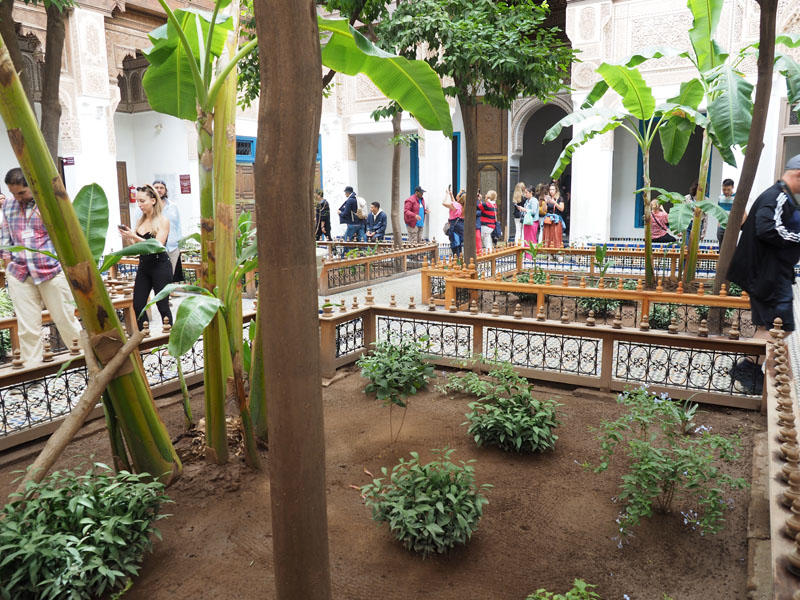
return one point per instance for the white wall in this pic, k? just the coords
(156, 146)
(626, 154)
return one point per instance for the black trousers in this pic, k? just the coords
(154, 272)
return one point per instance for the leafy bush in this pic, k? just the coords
(506, 414)
(604, 307)
(396, 370)
(668, 457)
(580, 591)
(661, 315)
(77, 536)
(430, 508)
(535, 275)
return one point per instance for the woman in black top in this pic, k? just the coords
(155, 270)
(323, 220)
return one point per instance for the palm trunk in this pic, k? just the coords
(649, 275)
(225, 209)
(131, 401)
(214, 373)
(51, 105)
(755, 141)
(397, 208)
(288, 126)
(469, 114)
(694, 242)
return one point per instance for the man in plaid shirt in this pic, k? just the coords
(33, 278)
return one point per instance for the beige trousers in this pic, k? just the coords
(28, 299)
(414, 235)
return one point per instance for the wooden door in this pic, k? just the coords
(245, 189)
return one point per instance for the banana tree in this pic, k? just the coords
(673, 121)
(188, 74)
(726, 95)
(130, 404)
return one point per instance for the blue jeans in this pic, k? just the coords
(353, 232)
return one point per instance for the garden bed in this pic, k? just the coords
(548, 520)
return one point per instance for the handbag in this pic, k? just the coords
(446, 228)
(549, 220)
(528, 218)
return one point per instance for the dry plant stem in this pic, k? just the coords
(187, 407)
(98, 380)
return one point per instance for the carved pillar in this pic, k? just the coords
(492, 133)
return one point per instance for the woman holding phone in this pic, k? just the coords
(155, 270)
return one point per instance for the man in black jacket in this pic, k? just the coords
(769, 249)
(376, 223)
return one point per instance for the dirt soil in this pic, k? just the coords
(548, 520)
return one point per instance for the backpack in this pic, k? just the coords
(361, 213)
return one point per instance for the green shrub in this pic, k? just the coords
(580, 591)
(430, 508)
(77, 536)
(395, 371)
(661, 315)
(604, 307)
(668, 458)
(506, 414)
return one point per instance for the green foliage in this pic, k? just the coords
(506, 414)
(497, 47)
(668, 457)
(661, 315)
(604, 307)
(77, 536)
(91, 208)
(430, 508)
(396, 370)
(580, 591)
(151, 246)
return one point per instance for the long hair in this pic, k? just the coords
(150, 191)
(519, 189)
(492, 196)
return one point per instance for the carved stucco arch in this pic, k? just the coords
(523, 110)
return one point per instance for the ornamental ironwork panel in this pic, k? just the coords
(386, 267)
(346, 275)
(349, 337)
(544, 351)
(448, 340)
(688, 368)
(47, 398)
(504, 264)
(437, 287)
(687, 318)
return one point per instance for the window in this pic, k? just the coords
(788, 138)
(245, 149)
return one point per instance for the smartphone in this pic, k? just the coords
(123, 227)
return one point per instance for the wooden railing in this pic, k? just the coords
(605, 357)
(783, 457)
(342, 274)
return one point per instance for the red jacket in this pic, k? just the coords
(411, 209)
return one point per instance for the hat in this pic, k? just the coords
(349, 189)
(421, 191)
(794, 163)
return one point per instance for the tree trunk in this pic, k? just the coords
(51, 105)
(755, 143)
(694, 241)
(214, 372)
(131, 403)
(8, 29)
(397, 207)
(649, 276)
(469, 114)
(288, 126)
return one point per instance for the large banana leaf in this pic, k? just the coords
(790, 70)
(91, 208)
(168, 80)
(792, 40)
(706, 15)
(680, 122)
(577, 142)
(637, 96)
(146, 247)
(715, 210)
(731, 109)
(580, 117)
(691, 94)
(194, 314)
(680, 215)
(413, 84)
(601, 87)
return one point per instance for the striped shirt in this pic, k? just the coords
(488, 214)
(23, 226)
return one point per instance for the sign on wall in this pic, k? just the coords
(186, 184)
